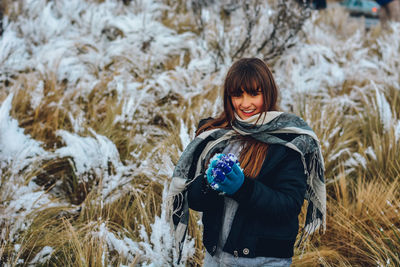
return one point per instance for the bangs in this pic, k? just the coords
(244, 80)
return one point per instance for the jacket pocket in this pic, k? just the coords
(274, 230)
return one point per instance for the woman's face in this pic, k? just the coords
(247, 105)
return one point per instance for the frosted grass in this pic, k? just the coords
(16, 148)
(89, 153)
(42, 256)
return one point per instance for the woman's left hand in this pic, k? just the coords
(233, 181)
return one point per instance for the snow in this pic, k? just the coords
(125, 247)
(28, 200)
(383, 107)
(96, 155)
(370, 152)
(355, 160)
(397, 131)
(158, 246)
(43, 255)
(88, 153)
(37, 95)
(183, 134)
(16, 148)
(154, 249)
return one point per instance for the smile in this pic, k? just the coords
(248, 111)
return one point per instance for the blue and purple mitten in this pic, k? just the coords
(224, 173)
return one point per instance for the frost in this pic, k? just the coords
(13, 54)
(88, 153)
(339, 153)
(16, 148)
(356, 160)
(43, 255)
(154, 249)
(124, 246)
(158, 246)
(37, 95)
(96, 154)
(184, 135)
(18, 152)
(28, 200)
(397, 131)
(167, 167)
(77, 123)
(370, 152)
(385, 113)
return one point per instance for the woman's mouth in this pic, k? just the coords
(248, 112)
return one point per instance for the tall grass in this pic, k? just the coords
(363, 185)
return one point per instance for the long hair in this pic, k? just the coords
(249, 75)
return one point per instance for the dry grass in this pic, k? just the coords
(363, 222)
(363, 201)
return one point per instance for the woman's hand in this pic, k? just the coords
(224, 174)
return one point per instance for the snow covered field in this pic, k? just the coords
(99, 98)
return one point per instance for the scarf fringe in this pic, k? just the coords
(314, 220)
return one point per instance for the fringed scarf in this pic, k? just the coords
(263, 127)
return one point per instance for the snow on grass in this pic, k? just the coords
(383, 108)
(397, 131)
(154, 249)
(18, 154)
(370, 152)
(78, 37)
(13, 52)
(124, 246)
(22, 201)
(355, 160)
(97, 155)
(42, 256)
(16, 148)
(184, 135)
(88, 153)
(157, 248)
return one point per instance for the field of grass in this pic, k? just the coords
(98, 100)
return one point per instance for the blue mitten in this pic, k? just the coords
(224, 173)
(211, 175)
(233, 181)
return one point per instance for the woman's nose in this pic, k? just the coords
(245, 101)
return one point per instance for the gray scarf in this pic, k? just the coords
(262, 127)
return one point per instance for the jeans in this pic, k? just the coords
(228, 260)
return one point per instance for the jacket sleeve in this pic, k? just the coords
(200, 196)
(284, 198)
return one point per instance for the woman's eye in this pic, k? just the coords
(236, 95)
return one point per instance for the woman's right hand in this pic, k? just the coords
(211, 169)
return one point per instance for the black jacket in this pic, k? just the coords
(266, 221)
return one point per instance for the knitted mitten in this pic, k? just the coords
(224, 173)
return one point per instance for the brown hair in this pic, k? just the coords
(249, 75)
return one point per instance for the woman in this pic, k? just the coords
(250, 215)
